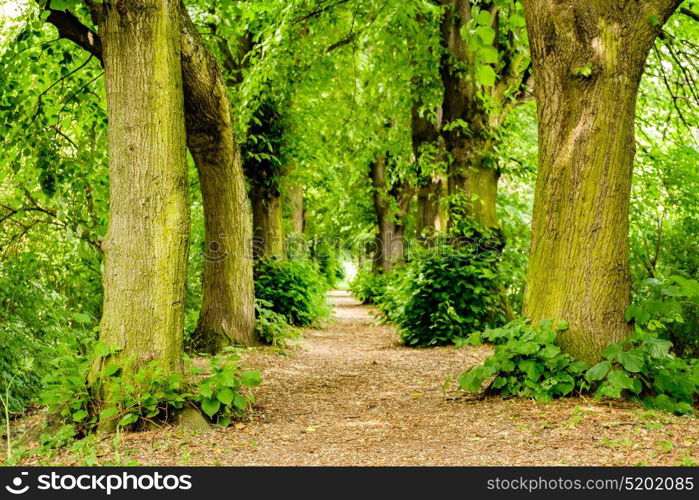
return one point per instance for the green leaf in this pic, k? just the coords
(620, 379)
(484, 18)
(79, 416)
(598, 372)
(251, 378)
(240, 402)
(486, 34)
(111, 369)
(210, 406)
(225, 396)
(632, 361)
(108, 413)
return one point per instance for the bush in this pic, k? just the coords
(150, 394)
(447, 293)
(294, 288)
(670, 308)
(272, 326)
(367, 286)
(527, 363)
(328, 262)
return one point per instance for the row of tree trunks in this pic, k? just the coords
(227, 314)
(588, 60)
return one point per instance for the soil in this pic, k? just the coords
(350, 394)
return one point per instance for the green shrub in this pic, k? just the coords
(148, 394)
(527, 363)
(328, 262)
(368, 286)
(294, 288)
(671, 308)
(447, 293)
(272, 326)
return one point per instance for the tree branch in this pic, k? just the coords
(70, 28)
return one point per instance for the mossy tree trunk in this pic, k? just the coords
(227, 313)
(297, 208)
(390, 205)
(145, 249)
(431, 211)
(471, 125)
(227, 310)
(588, 60)
(268, 232)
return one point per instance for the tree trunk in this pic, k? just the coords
(268, 233)
(472, 174)
(227, 310)
(231, 313)
(296, 206)
(588, 60)
(389, 241)
(431, 212)
(145, 249)
(473, 180)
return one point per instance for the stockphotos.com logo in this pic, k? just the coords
(107, 483)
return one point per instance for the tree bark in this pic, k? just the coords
(296, 206)
(588, 59)
(146, 246)
(268, 232)
(389, 241)
(471, 173)
(431, 211)
(227, 311)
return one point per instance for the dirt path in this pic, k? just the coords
(350, 395)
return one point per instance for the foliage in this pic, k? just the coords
(368, 286)
(128, 398)
(224, 394)
(642, 367)
(527, 363)
(671, 308)
(294, 288)
(272, 326)
(448, 292)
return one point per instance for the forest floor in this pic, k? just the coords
(349, 394)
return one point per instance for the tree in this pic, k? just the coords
(391, 201)
(588, 59)
(145, 249)
(483, 72)
(227, 309)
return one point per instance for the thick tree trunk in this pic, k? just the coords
(431, 211)
(268, 233)
(588, 61)
(471, 173)
(227, 311)
(473, 179)
(145, 249)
